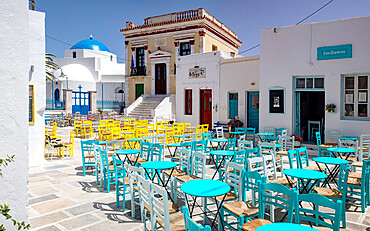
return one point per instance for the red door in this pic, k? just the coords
(206, 107)
(160, 79)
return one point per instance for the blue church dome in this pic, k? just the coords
(90, 44)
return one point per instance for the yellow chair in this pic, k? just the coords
(199, 129)
(103, 122)
(205, 127)
(160, 129)
(79, 129)
(68, 146)
(169, 134)
(88, 129)
(151, 129)
(110, 121)
(116, 133)
(104, 132)
(117, 123)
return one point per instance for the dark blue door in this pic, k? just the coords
(80, 102)
(253, 109)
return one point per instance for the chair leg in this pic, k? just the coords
(83, 167)
(117, 194)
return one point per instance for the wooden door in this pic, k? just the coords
(233, 105)
(139, 90)
(253, 110)
(160, 79)
(206, 107)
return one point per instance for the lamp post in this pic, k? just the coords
(61, 76)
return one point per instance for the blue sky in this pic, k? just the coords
(73, 20)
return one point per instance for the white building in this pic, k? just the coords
(307, 66)
(215, 87)
(22, 67)
(93, 79)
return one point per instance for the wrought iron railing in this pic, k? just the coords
(109, 104)
(54, 104)
(138, 71)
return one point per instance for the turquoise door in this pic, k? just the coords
(253, 109)
(233, 105)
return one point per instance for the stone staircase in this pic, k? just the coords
(144, 109)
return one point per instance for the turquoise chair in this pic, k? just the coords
(359, 185)
(108, 171)
(312, 213)
(199, 146)
(190, 225)
(156, 152)
(231, 144)
(186, 145)
(293, 159)
(207, 135)
(144, 153)
(250, 134)
(88, 157)
(121, 181)
(98, 169)
(342, 187)
(242, 209)
(277, 195)
(321, 149)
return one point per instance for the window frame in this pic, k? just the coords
(74, 54)
(188, 101)
(237, 99)
(355, 97)
(183, 51)
(140, 63)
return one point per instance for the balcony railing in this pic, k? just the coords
(109, 104)
(138, 71)
(54, 104)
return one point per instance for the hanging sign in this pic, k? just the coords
(276, 101)
(197, 73)
(334, 52)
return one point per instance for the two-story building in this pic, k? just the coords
(153, 48)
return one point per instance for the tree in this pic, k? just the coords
(50, 66)
(4, 208)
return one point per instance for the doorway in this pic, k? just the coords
(310, 113)
(160, 79)
(139, 90)
(233, 105)
(253, 109)
(206, 107)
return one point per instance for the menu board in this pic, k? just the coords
(276, 101)
(31, 105)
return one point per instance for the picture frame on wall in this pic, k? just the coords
(276, 101)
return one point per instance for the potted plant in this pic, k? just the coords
(330, 108)
(100, 110)
(297, 141)
(121, 109)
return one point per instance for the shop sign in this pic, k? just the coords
(334, 52)
(197, 73)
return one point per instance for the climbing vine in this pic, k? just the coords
(4, 209)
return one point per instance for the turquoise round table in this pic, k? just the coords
(276, 146)
(307, 177)
(342, 152)
(126, 153)
(157, 167)
(204, 188)
(332, 173)
(220, 143)
(218, 157)
(173, 145)
(285, 227)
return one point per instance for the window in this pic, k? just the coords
(214, 47)
(309, 83)
(355, 96)
(233, 105)
(140, 57)
(188, 102)
(74, 54)
(185, 49)
(111, 58)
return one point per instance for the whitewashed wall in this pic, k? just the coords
(238, 75)
(14, 74)
(288, 53)
(37, 78)
(210, 61)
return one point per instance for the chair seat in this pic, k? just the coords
(232, 149)
(357, 164)
(175, 172)
(172, 208)
(186, 178)
(350, 159)
(325, 146)
(357, 175)
(136, 188)
(331, 144)
(229, 196)
(241, 208)
(176, 158)
(177, 222)
(66, 143)
(139, 160)
(111, 154)
(277, 158)
(254, 224)
(327, 192)
(89, 156)
(285, 153)
(125, 181)
(230, 169)
(354, 181)
(283, 181)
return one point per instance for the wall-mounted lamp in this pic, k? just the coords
(215, 107)
(196, 66)
(253, 83)
(32, 69)
(275, 30)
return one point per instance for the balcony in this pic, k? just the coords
(138, 71)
